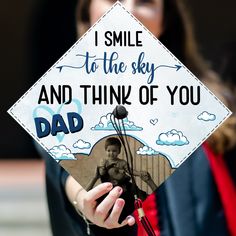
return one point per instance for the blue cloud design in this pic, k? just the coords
(206, 116)
(61, 152)
(106, 124)
(172, 138)
(145, 150)
(81, 144)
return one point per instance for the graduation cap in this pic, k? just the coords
(119, 80)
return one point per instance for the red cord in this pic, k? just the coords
(150, 208)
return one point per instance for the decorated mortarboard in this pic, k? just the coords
(119, 80)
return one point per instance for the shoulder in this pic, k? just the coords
(103, 161)
(122, 162)
(223, 139)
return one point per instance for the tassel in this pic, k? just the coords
(142, 217)
(117, 117)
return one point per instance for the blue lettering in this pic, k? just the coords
(72, 118)
(144, 67)
(58, 125)
(42, 127)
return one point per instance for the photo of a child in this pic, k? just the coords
(115, 170)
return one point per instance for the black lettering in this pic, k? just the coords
(115, 94)
(43, 97)
(138, 42)
(108, 42)
(144, 95)
(85, 87)
(152, 94)
(172, 93)
(96, 38)
(184, 95)
(99, 96)
(198, 97)
(126, 95)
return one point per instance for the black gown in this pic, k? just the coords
(188, 203)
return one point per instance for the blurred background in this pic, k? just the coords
(34, 35)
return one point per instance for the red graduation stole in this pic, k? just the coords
(225, 186)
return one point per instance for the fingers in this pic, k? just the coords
(107, 204)
(107, 213)
(112, 219)
(98, 191)
(88, 199)
(130, 220)
(111, 203)
(109, 210)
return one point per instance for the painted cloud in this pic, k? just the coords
(206, 116)
(106, 124)
(61, 152)
(81, 144)
(173, 137)
(145, 150)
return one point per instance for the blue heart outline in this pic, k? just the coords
(59, 136)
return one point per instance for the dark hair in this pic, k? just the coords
(179, 38)
(113, 141)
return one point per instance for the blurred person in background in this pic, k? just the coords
(199, 198)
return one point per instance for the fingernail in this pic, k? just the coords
(120, 203)
(109, 186)
(119, 190)
(130, 220)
